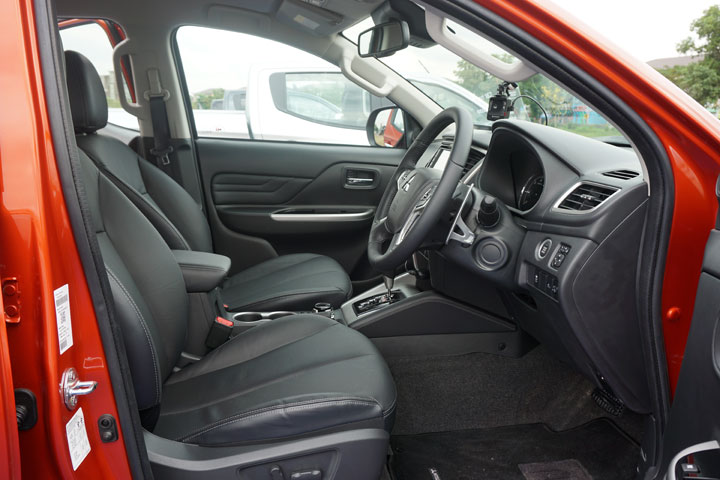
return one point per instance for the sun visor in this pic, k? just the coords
(319, 21)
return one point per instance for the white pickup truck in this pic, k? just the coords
(306, 104)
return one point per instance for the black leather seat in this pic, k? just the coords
(301, 376)
(289, 282)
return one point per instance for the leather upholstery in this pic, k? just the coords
(86, 93)
(202, 271)
(283, 283)
(151, 303)
(288, 282)
(285, 378)
(297, 376)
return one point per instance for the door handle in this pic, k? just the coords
(359, 181)
(361, 178)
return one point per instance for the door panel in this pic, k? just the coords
(267, 198)
(694, 420)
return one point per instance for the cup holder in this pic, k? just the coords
(252, 317)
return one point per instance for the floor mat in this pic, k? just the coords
(598, 448)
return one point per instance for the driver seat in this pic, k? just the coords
(293, 282)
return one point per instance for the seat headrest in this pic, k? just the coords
(87, 95)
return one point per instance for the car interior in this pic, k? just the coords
(454, 300)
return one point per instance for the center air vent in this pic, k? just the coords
(622, 174)
(586, 197)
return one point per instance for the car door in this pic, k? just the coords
(290, 168)
(690, 444)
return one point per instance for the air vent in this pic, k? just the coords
(586, 196)
(622, 174)
(475, 157)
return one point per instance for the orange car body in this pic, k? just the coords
(40, 253)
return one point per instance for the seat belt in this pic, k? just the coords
(162, 150)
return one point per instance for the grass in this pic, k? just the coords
(589, 130)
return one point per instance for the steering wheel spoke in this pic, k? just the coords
(414, 203)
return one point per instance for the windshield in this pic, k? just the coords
(451, 81)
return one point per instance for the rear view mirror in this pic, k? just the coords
(384, 39)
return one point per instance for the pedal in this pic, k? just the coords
(608, 402)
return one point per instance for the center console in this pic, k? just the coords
(399, 317)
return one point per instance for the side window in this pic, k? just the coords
(243, 86)
(92, 38)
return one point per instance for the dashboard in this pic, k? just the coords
(572, 211)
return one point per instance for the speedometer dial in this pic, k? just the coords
(530, 193)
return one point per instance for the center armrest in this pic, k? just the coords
(202, 271)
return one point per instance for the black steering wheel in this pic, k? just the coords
(416, 198)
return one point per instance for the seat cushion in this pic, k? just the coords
(289, 282)
(289, 377)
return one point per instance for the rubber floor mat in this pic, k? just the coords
(602, 451)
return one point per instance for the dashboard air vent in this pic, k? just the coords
(622, 174)
(586, 196)
(475, 157)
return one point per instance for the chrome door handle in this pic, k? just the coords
(358, 181)
(71, 387)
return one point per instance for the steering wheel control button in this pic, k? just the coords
(544, 248)
(491, 254)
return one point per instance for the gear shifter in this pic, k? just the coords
(389, 282)
(379, 300)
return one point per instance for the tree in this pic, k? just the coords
(475, 79)
(701, 79)
(204, 99)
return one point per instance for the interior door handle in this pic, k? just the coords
(359, 181)
(361, 178)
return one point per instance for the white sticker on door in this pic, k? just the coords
(77, 438)
(62, 315)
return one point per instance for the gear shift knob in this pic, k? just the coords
(389, 282)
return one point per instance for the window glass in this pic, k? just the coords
(244, 86)
(92, 41)
(451, 81)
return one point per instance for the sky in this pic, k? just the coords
(647, 29)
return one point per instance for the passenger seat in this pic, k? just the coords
(288, 282)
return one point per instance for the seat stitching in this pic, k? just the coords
(145, 329)
(290, 266)
(296, 406)
(260, 385)
(235, 339)
(127, 189)
(256, 304)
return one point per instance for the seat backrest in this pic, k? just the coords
(167, 205)
(151, 304)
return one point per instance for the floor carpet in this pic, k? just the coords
(597, 450)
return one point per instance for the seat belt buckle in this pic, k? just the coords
(219, 332)
(163, 155)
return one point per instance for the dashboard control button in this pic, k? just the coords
(543, 281)
(564, 248)
(558, 260)
(544, 248)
